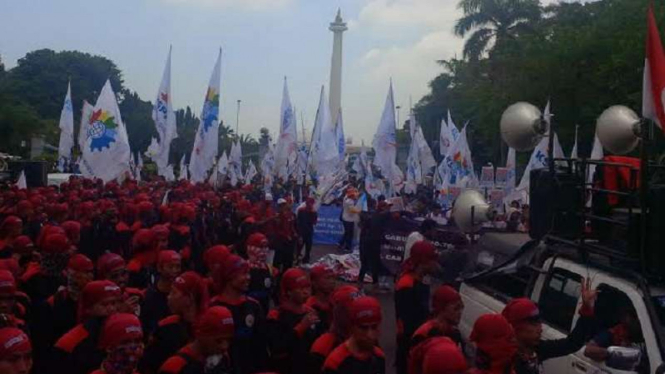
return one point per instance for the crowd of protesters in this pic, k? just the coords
(124, 278)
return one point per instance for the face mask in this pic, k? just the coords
(212, 362)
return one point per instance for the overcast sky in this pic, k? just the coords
(263, 41)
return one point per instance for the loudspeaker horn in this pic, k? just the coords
(522, 126)
(618, 129)
(471, 209)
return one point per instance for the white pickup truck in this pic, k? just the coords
(510, 265)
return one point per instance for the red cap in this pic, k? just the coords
(145, 206)
(97, 291)
(144, 239)
(161, 232)
(444, 296)
(107, 263)
(494, 336)
(443, 356)
(13, 341)
(120, 328)
(232, 266)
(79, 262)
(319, 272)
(72, 228)
(217, 321)
(257, 240)
(7, 283)
(521, 310)
(192, 284)
(55, 244)
(10, 264)
(295, 278)
(344, 295)
(422, 252)
(11, 222)
(214, 256)
(22, 242)
(167, 257)
(365, 310)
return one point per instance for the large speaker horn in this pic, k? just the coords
(618, 129)
(522, 126)
(470, 210)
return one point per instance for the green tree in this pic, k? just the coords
(137, 116)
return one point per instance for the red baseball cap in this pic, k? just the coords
(56, 244)
(7, 283)
(319, 272)
(168, 257)
(443, 296)
(13, 341)
(217, 321)
(79, 262)
(344, 295)
(109, 262)
(443, 356)
(295, 278)
(190, 283)
(365, 310)
(257, 240)
(120, 328)
(521, 310)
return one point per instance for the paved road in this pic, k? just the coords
(388, 326)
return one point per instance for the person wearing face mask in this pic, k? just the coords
(155, 305)
(496, 347)
(15, 351)
(111, 266)
(187, 300)
(122, 340)
(248, 352)
(441, 356)
(78, 350)
(290, 327)
(360, 353)
(340, 329)
(261, 274)
(447, 307)
(323, 284)
(412, 297)
(208, 353)
(524, 316)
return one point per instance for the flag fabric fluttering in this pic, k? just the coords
(86, 113)
(445, 138)
(427, 161)
(206, 140)
(573, 152)
(653, 85)
(324, 154)
(235, 160)
(183, 169)
(413, 170)
(457, 169)
(223, 164)
(385, 139)
(22, 182)
(454, 131)
(511, 165)
(539, 160)
(106, 152)
(251, 173)
(596, 154)
(165, 122)
(66, 131)
(139, 167)
(287, 145)
(339, 131)
(267, 167)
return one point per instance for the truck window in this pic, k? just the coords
(559, 297)
(505, 285)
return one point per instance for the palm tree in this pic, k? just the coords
(493, 20)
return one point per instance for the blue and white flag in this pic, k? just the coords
(183, 170)
(339, 131)
(539, 160)
(458, 165)
(251, 173)
(445, 138)
(324, 155)
(106, 153)
(287, 145)
(452, 127)
(165, 122)
(66, 131)
(235, 159)
(385, 139)
(267, 167)
(207, 137)
(86, 113)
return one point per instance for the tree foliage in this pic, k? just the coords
(583, 57)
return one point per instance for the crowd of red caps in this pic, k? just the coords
(177, 278)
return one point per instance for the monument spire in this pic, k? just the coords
(335, 95)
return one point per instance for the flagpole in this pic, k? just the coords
(238, 117)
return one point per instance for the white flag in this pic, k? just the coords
(235, 159)
(339, 131)
(539, 160)
(325, 154)
(139, 166)
(287, 141)
(445, 138)
(165, 121)
(413, 170)
(66, 130)
(223, 164)
(267, 167)
(183, 170)
(425, 156)
(385, 140)
(573, 153)
(168, 174)
(452, 127)
(511, 165)
(86, 113)
(105, 154)
(458, 165)
(207, 136)
(22, 183)
(251, 173)
(596, 154)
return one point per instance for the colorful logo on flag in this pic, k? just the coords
(102, 130)
(210, 109)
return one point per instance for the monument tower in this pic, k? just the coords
(335, 94)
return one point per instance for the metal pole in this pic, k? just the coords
(398, 108)
(644, 190)
(238, 117)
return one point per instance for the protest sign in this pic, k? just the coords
(501, 178)
(487, 177)
(328, 229)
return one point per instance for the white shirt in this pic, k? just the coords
(350, 212)
(410, 241)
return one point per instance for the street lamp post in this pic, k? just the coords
(398, 108)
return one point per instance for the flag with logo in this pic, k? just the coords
(385, 139)
(165, 122)
(339, 131)
(207, 137)
(106, 153)
(251, 173)
(86, 113)
(325, 152)
(287, 142)
(66, 131)
(445, 138)
(539, 160)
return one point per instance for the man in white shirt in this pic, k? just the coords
(350, 216)
(425, 232)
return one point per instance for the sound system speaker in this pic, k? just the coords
(36, 172)
(655, 257)
(556, 200)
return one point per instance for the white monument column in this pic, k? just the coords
(335, 94)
